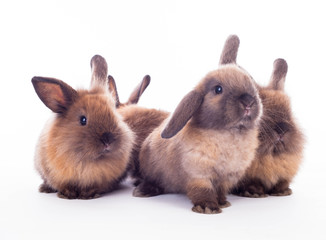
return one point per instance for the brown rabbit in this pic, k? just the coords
(84, 150)
(142, 121)
(281, 143)
(204, 148)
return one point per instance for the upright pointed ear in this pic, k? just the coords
(55, 94)
(113, 90)
(138, 91)
(99, 72)
(182, 114)
(279, 74)
(230, 50)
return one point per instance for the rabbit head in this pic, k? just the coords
(225, 99)
(87, 125)
(278, 131)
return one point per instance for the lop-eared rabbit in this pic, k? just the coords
(205, 146)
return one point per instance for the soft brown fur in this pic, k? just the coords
(75, 160)
(281, 143)
(142, 121)
(208, 142)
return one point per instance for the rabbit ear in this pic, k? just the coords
(230, 50)
(184, 111)
(279, 73)
(138, 91)
(113, 90)
(55, 94)
(99, 72)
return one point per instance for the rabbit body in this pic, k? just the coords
(211, 141)
(142, 121)
(281, 142)
(195, 155)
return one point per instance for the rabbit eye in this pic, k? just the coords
(83, 120)
(218, 89)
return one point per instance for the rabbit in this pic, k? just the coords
(281, 142)
(84, 151)
(141, 120)
(134, 96)
(205, 146)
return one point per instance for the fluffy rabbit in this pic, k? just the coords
(206, 145)
(84, 150)
(142, 121)
(281, 143)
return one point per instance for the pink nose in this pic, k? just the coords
(280, 137)
(247, 100)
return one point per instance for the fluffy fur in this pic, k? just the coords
(84, 150)
(142, 121)
(204, 148)
(281, 143)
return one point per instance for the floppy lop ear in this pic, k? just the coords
(182, 114)
(230, 50)
(279, 74)
(113, 90)
(99, 72)
(138, 91)
(55, 94)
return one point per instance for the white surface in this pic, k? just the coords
(177, 43)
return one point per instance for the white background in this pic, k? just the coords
(177, 43)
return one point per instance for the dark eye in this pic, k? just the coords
(83, 120)
(218, 89)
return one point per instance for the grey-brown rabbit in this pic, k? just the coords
(206, 145)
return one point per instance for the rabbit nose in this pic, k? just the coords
(247, 101)
(107, 138)
(280, 137)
